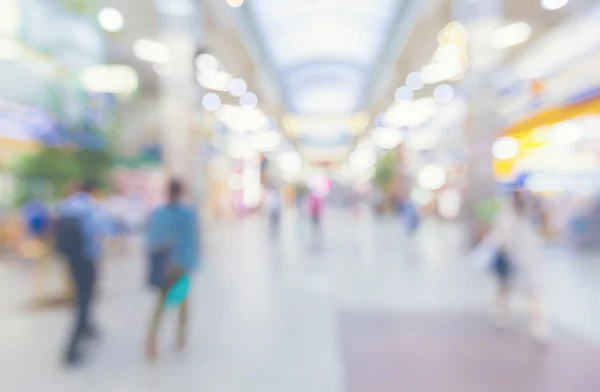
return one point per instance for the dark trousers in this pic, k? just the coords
(83, 275)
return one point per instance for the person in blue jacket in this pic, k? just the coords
(173, 239)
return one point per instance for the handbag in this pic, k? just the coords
(159, 267)
(179, 292)
(501, 265)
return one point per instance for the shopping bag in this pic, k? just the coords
(179, 291)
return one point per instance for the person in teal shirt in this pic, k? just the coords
(173, 240)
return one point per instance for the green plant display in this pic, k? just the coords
(384, 171)
(55, 169)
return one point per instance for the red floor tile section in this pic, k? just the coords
(386, 352)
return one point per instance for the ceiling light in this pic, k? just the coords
(214, 80)
(207, 62)
(387, 138)
(439, 72)
(249, 100)
(414, 81)
(238, 87)
(443, 93)
(242, 119)
(410, 114)
(235, 3)
(115, 79)
(505, 148)
(552, 5)
(152, 51)
(431, 177)
(404, 94)
(9, 49)
(110, 19)
(511, 35)
(211, 102)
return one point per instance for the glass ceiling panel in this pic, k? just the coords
(306, 33)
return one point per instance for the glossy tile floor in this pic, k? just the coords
(294, 314)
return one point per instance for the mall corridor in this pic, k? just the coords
(358, 309)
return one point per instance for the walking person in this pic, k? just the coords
(316, 205)
(275, 207)
(80, 228)
(518, 264)
(173, 245)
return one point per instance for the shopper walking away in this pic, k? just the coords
(518, 264)
(79, 230)
(316, 207)
(173, 246)
(275, 206)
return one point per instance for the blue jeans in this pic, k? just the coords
(83, 275)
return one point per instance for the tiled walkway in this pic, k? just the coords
(283, 316)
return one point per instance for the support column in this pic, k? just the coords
(481, 18)
(180, 24)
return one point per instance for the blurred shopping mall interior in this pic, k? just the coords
(348, 160)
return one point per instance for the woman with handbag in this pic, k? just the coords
(173, 240)
(518, 263)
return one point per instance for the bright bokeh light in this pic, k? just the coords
(238, 87)
(242, 119)
(443, 93)
(552, 5)
(448, 203)
(10, 18)
(431, 177)
(115, 79)
(251, 183)
(266, 141)
(111, 19)
(211, 102)
(439, 72)
(249, 100)
(235, 3)
(422, 140)
(421, 197)
(151, 51)
(362, 159)
(289, 164)
(505, 148)
(415, 81)
(410, 114)
(404, 94)
(207, 62)
(511, 35)
(567, 132)
(447, 63)
(214, 80)
(10, 49)
(239, 148)
(387, 138)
